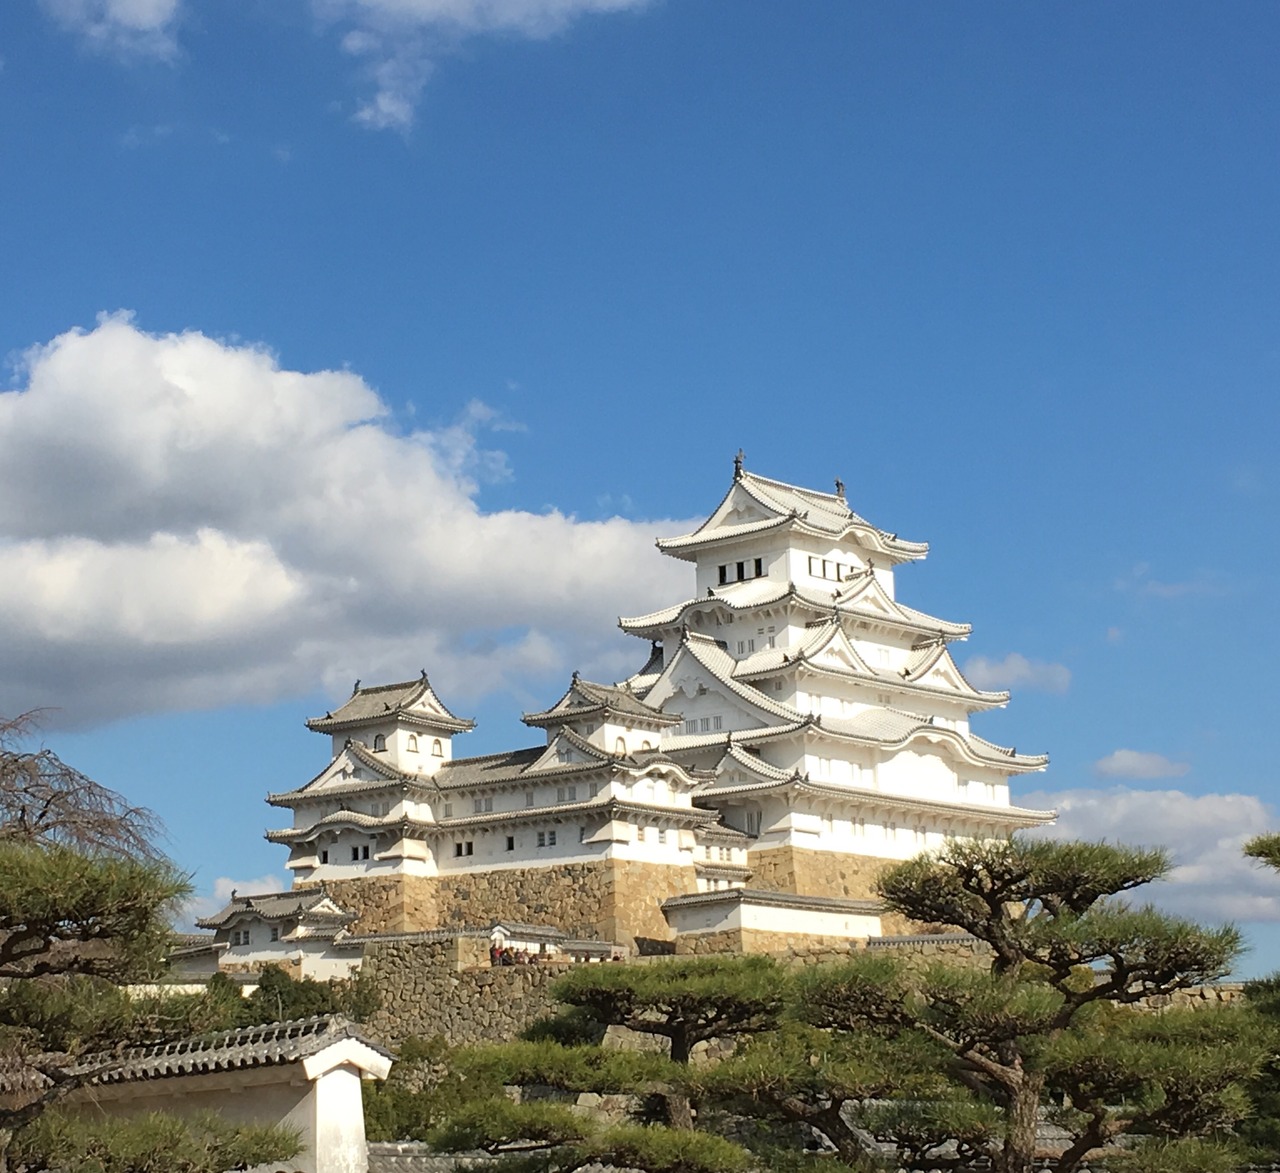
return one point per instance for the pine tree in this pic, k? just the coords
(85, 906)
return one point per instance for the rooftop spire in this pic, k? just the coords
(737, 464)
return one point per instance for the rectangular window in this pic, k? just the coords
(511, 843)
(542, 839)
(448, 810)
(724, 575)
(717, 722)
(470, 848)
(355, 853)
(742, 571)
(759, 568)
(364, 852)
(815, 567)
(704, 725)
(551, 838)
(275, 934)
(662, 836)
(457, 850)
(488, 805)
(324, 857)
(691, 726)
(560, 793)
(751, 645)
(595, 789)
(742, 647)
(528, 798)
(582, 834)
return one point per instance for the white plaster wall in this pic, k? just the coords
(772, 919)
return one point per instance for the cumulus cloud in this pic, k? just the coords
(1211, 880)
(208, 903)
(1016, 671)
(1132, 763)
(184, 523)
(145, 28)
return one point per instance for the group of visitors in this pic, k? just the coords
(509, 956)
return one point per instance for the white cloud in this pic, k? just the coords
(207, 903)
(1132, 763)
(1202, 584)
(145, 28)
(183, 523)
(398, 40)
(1211, 880)
(1016, 671)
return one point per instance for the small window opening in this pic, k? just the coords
(511, 843)
(437, 748)
(379, 743)
(275, 934)
(411, 744)
(324, 857)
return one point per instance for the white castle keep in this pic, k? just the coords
(793, 728)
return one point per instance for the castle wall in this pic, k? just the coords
(430, 988)
(613, 900)
(815, 873)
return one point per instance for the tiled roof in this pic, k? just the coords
(1015, 815)
(255, 1046)
(410, 700)
(821, 513)
(775, 900)
(585, 698)
(752, 594)
(686, 742)
(301, 902)
(720, 664)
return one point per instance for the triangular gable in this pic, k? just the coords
(941, 671)
(351, 766)
(567, 748)
(868, 596)
(700, 663)
(834, 651)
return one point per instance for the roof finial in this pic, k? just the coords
(233, 893)
(355, 688)
(737, 464)
(424, 675)
(840, 488)
(575, 676)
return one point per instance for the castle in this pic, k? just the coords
(793, 728)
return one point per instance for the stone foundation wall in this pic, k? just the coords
(805, 948)
(427, 989)
(815, 873)
(388, 904)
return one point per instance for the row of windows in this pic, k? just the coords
(825, 568)
(357, 853)
(703, 724)
(241, 936)
(411, 745)
(484, 806)
(738, 571)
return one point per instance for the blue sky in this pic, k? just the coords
(345, 339)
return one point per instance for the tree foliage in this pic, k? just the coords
(86, 902)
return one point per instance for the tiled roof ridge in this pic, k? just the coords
(252, 1046)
